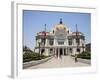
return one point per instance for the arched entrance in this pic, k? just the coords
(61, 51)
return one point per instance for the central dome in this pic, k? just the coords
(60, 26)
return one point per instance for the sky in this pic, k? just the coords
(34, 22)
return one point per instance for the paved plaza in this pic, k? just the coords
(65, 61)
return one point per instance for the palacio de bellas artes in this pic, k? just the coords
(58, 47)
(61, 41)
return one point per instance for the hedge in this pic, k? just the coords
(84, 55)
(32, 56)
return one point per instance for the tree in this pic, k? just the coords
(88, 47)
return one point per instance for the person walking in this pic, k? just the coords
(75, 57)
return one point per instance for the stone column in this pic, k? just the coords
(54, 41)
(55, 52)
(66, 42)
(46, 42)
(74, 42)
(80, 42)
(81, 50)
(46, 52)
(58, 52)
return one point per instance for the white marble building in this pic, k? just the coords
(60, 41)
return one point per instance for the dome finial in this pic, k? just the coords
(61, 21)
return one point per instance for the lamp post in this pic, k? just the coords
(83, 47)
(77, 43)
(44, 39)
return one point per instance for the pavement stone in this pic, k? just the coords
(65, 61)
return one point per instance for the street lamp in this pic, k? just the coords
(44, 40)
(77, 43)
(77, 38)
(83, 47)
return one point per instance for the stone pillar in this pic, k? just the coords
(55, 52)
(46, 42)
(80, 42)
(46, 53)
(72, 51)
(58, 52)
(54, 41)
(81, 50)
(74, 42)
(66, 42)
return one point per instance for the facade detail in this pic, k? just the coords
(60, 41)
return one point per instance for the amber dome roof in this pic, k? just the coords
(60, 26)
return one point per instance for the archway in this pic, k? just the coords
(61, 52)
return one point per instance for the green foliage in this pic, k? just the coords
(29, 55)
(84, 55)
(32, 56)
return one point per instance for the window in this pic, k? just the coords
(70, 50)
(77, 41)
(51, 42)
(70, 41)
(78, 50)
(43, 41)
(60, 42)
(51, 50)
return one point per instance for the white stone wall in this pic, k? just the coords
(55, 42)
(74, 51)
(46, 44)
(74, 45)
(74, 42)
(37, 42)
(37, 50)
(81, 50)
(46, 52)
(66, 42)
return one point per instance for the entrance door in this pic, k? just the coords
(61, 51)
(64, 51)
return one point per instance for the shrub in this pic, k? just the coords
(29, 55)
(32, 56)
(84, 55)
